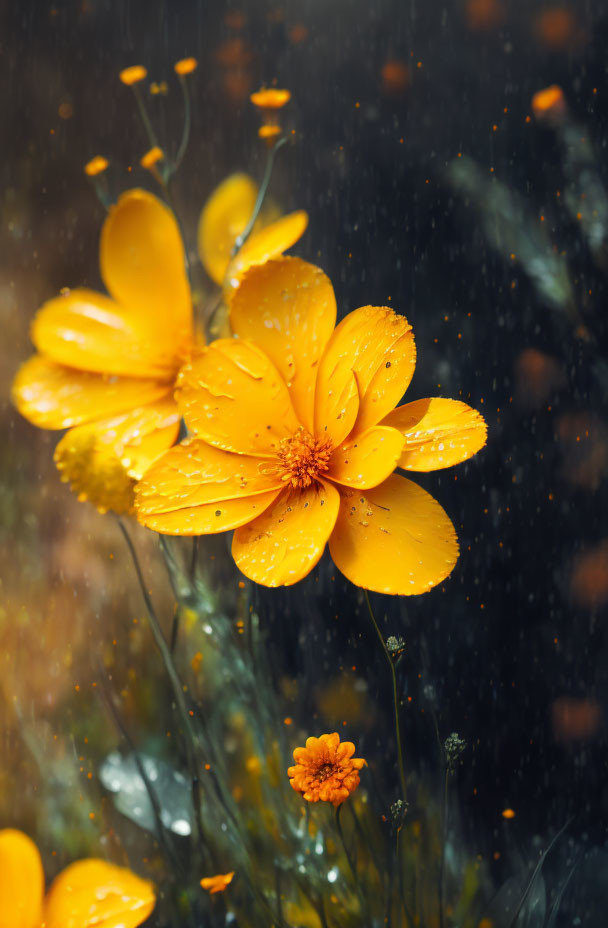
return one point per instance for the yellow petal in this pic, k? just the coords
(21, 881)
(288, 308)
(56, 397)
(268, 242)
(88, 331)
(393, 539)
(95, 894)
(196, 489)
(101, 460)
(223, 218)
(367, 459)
(143, 266)
(377, 345)
(233, 396)
(438, 433)
(283, 544)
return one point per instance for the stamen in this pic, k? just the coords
(301, 459)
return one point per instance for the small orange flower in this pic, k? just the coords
(107, 365)
(549, 104)
(185, 66)
(217, 883)
(133, 75)
(325, 770)
(88, 892)
(294, 440)
(270, 98)
(151, 157)
(96, 165)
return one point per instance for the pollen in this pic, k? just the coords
(185, 66)
(133, 75)
(96, 165)
(303, 458)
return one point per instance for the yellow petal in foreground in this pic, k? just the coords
(89, 331)
(143, 266)
(367, 458)
(438, 433)
(233, 397)
(21, 881)
(196, 489)
(95, 894)
(223, 218)
(268, 243)
(53, 396)
(393, 539)
(283, 544)
(378, 346)
(287, 307)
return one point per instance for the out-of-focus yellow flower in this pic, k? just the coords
(294, 440)
(217, 883)
(225, 216)
(325, 770)
(88, 894)
(107, 365)
(96, 165)
(269, 132)
(151, 157)
(549, 104)
(133, 75)
(270, 98)
(185, 66)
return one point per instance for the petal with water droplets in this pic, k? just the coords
(367, 458)
(95, 894)
(438, 433)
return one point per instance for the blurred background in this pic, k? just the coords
(432, 186)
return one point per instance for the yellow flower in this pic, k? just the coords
(325, 770)
(294, 441)
(88, 894)
(218, 883)
(133, 75)
(106, 366)
(225, 216)
(270, 98)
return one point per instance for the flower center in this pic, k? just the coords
(302, 458)
(325, 771)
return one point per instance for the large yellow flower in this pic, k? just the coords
(88, 894)
(106, 365)
(295, 439)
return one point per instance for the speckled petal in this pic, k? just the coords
(283, 545)
(375, 345)
(143, 265)
(438, 433)
(196, 489)
(223, 218)
(53, 396)
(366, 459)
(233, 396)
(95, 894)
(393, 539)
(91, 332)
(21, 881)
(261, 246)
(288, 308)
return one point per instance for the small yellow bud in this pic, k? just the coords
(96, 165)
(151, 157)
(185, 66)
(133, 75)
(269, 132)
(160, 88)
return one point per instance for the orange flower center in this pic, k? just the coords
(303, 457)
(325, 771)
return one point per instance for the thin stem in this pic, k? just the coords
(242, 238)
(395, 698)
(187, 126)
(141, 106)
(178, 691)
(193, 560)
(351, 862)
(444, 837)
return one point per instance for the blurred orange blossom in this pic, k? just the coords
(87, 893)
(294, 440)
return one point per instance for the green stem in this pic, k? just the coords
(187, 126)
(395, 698)
(444, 837)
(242, 238)
(141, 106)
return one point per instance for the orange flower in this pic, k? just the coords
(106, 366)
(218, 883)
(294, 441)
(87, 893)
(270, 98)
(225, 216)
(325, 769)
